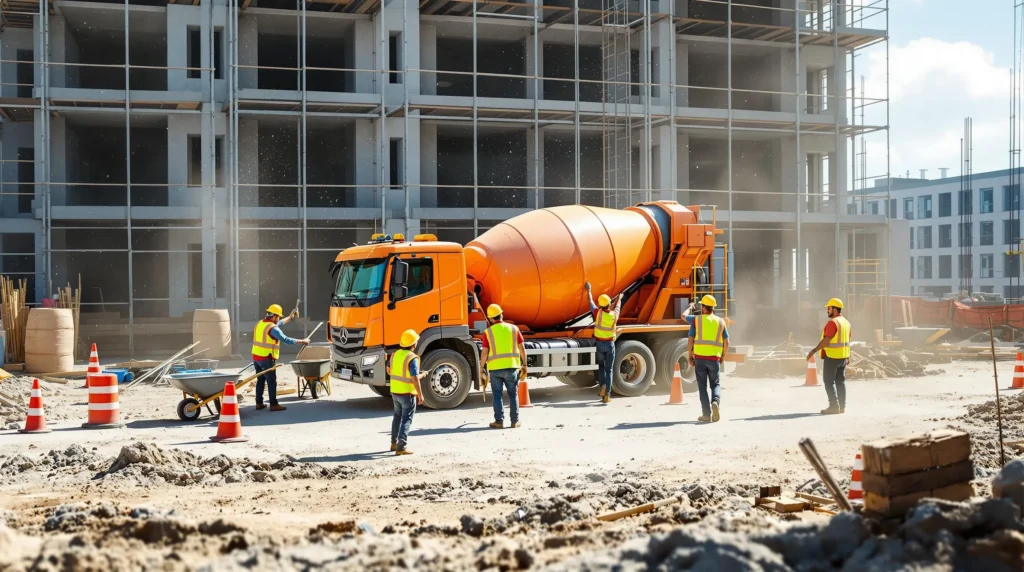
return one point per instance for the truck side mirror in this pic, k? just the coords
(401, 273)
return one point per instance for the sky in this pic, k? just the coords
(949, 59)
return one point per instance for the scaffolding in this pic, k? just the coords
(407, 132)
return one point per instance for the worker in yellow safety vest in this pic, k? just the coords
(267, 338)
(606, 318)
(503, 365)
(835, 353)
(406, 392)
(709, 341)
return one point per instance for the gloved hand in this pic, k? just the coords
(587, 286)
(522, 373)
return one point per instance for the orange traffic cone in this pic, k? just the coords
(524, 394)
(1018, 373)
(104, 408)
(675, 397)
(36, 421)
(94, 364)
(812, 373)
(856, 489)
(229, 427)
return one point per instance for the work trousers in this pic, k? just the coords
(401, 422)
(269, 378)
(509, 380)
(707, 374)
(605, 363)
(833, 374)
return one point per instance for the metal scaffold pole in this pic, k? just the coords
(128, 186)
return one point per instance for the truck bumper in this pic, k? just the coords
(352, 368)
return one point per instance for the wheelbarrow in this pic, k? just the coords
(314, 375)
(200, 389)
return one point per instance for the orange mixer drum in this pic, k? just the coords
(534, 265)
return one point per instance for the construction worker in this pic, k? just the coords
(835, 353)
(406, 393)
(503, 364)
(605, 319)
(267, 338)
(709, 341)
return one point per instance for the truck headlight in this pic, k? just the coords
(370, 360)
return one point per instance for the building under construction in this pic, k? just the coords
(257, 138)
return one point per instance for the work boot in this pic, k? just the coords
(278, 408)
(400, 452)
(497, 425)
(516, 424)
(832, 410)
(394, 446)
(261, 406)
(842, 410)
(715, 416)
(704, 419)
(606, 399)
(603, 392)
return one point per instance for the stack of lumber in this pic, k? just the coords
(899, 472)
(15, 317)
(72, 300)
(773, 498)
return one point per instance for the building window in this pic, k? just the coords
(892, 208)
(924, 237)
(873, 207)
(966, 202)
(986, 200)
(966, 268)
(908, 208)
(924, 267)
(966, 238)
(1011, 265)
(193, 52)
(924, 206)
(395, 165)
(987, 233)
(1011, 197)
(195, 161)
(945, 235)
(911, 238)
(911, 267)
(1011, 231)
(945, 266)
(945, 204)
(394, 60)
(195, 271)
(218, 53)
(986, 266)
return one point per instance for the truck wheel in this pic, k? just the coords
(634, 368)
(382, 390)
(583, 379)
(449, 381)
(668, 356)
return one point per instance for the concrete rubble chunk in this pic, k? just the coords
(1009, 483)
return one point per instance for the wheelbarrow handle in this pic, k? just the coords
(255, 375)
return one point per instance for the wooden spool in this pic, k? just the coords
(50, 340)
(212, 330)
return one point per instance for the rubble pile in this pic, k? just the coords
(980, 422)
(871, 362)
(70, 461)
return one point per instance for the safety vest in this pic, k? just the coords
(604, 326)
(263, 344)
(502, 350)
(708, 340)
(401, 377)
(839, 346)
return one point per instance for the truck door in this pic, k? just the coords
(420, 308)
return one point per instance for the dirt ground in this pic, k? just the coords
(321, 469)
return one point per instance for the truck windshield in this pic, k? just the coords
(360, 280)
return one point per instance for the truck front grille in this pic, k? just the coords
(347, 338)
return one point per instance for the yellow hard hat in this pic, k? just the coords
(493, 311)
(709, 301)
(603, 300)
(276, 310)
(409, 338)
(835, 302)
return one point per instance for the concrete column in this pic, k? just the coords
(535, 168)
(682, 73)
(365, 47)
(664, 142)
(682, 149)
(366, 169)
(428, 59)
(248, 37)
(531, 70)
(428, 165)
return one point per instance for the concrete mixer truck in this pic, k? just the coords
(659, 256)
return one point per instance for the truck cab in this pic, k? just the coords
(388, 286)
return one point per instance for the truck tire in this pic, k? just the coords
(449, 382)
(634, 368)
(668, 355)
(382, 390)
(583, 379)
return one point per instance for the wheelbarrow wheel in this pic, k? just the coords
(188, 409)
(314, 388)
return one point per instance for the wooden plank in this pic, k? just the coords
(14, 367)
(911, 454)
(815, 498)
(896, 485)
(787, 504)
(899, 505)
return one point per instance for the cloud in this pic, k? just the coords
(934, 85)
